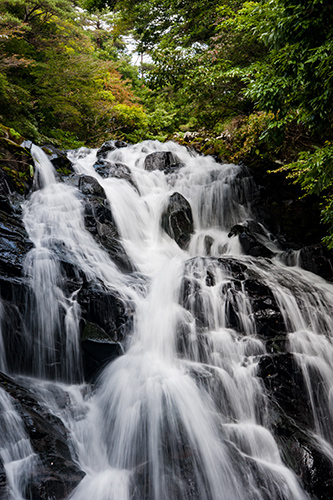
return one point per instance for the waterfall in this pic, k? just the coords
(184, 413)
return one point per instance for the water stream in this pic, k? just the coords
(182, 415)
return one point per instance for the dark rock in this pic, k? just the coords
(208, 242)
(281, 206)
(233, 267)
(109, 146)
(14, 244)
(266, 313)
(105, 149)
(249, 242)
(106, 322)
(284, 382)
(58, 159)
(98, 349)
(177, 220)
(3, 483)
(103, 309)
(57, 473)
(292, 418)
(99, 222)
(310, 465)
(90, 186)
(191, 299)
(162, 160)
(14, 340)
(121, 144)
(117, 170)
(318, 260)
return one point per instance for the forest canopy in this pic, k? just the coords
(252, 79)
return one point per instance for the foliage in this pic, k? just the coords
(59, 77)
(242, 138)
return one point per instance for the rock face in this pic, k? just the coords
(56, 474)
(106, 323)
(284, 383)
(247, 303)
(177, 220)
(162, 160)
(100, 223)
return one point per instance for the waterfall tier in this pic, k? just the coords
(157, 341)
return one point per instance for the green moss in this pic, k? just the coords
(94, 332)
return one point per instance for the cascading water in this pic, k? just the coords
(182, 415)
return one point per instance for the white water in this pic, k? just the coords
(16, 452)
(182, 415)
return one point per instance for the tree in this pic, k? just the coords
(59, 78)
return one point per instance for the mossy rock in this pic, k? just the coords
(94, 332)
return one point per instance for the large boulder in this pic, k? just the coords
(177, 220)
(162, 160)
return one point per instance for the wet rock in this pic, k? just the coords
(104, 309)
(99, 222)
(266, 312)
(57, 474)
(162, 160)
(14, 244)
(191, 299)
(318, 260)
(249, 242)
(117, 170)
(90, 186)
(291, 420)
(14, 340)
(208, 243)
(109, 146)
(233, 267)
(107, 321)
(283, 380)
(3, 483)
(177, 220)
(311, 466)
(98, 349)
(58, 159)
(106, 148)
(121, 144)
